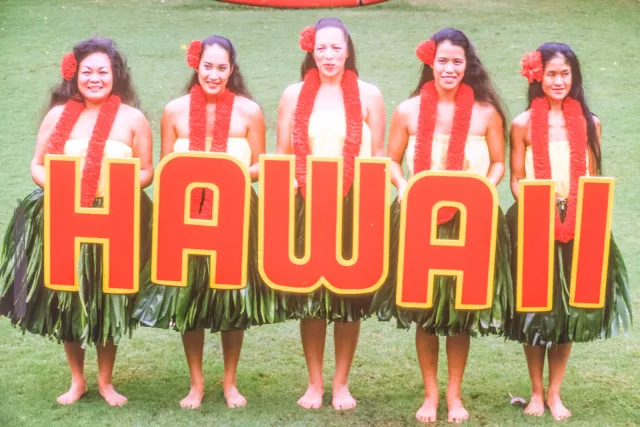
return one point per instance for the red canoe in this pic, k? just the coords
(304, 4)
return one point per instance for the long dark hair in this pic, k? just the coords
(236, 82)
(550, 50)
(122, 85)
(475, 75)
(309, 63)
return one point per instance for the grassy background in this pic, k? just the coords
(602, 382)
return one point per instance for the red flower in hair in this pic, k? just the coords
(426, 52)
(308, 39)
(68, 66)
(531, 66)
(193, 54)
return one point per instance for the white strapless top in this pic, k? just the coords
(237, 147)
(112, 150)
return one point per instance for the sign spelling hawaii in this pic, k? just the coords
(221, 230)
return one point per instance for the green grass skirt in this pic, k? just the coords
(322, 303)
(87, 316)
(443, 319)
(197, 306)
(564, 324)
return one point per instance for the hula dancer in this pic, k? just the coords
(217, 114)
(558, 138)
(452, 121)
(91, 114)
(330, 113)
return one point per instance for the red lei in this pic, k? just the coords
(101, 130)
(576, 129)
(457, 141)
(353, 139)
(201, 203)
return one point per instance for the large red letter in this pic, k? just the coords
(591, 243)
(116, 225)
(536, 220)
(470, 258)
(224, 237)
(323, 263)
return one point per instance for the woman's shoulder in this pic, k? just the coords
(178, 105)
(247, 106)
(408, 106)
(289, 98)
(131, 112)
(53, 115)
(486, 112)
(484, 107)
(132, 116)
(292, 91)
(522, 120)
(369, 89)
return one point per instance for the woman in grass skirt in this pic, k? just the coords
(334, 114)
(218, 115)
(559, 138)
(91, 114)
(452, 121)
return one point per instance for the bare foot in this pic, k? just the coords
(457, 413)
(112, 397)
(558, 411)
(76, 391)
(234, 398)
(312, 398)
(428, 411)
(342, 398)
(193, 399)
(535, 406)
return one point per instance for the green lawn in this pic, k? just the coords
(602, 381)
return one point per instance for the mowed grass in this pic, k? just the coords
(601, 386)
